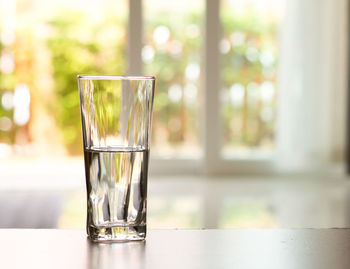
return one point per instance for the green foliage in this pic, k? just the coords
(79, 47)
(259, 34)
(169, 69)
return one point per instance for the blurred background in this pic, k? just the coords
(250, 111)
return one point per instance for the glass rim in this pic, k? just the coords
(111, 77)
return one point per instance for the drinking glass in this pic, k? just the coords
(116, 117)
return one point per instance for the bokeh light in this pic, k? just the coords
(7, 100)
(267, 91)
(192, 71)
(161, 35)
(237, 94)
(175, 93)
(7, 63)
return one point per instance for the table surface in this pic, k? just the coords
(241, 248)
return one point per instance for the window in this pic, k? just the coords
(222, 93)
(249, 55)
(172, 50)
(237, 48)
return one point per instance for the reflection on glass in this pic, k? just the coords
(247, 213)
(249, 56)
(172, 52)
(129, 255)
(179, 212)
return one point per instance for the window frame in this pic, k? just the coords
(211, 162)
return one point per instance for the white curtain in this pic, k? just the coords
(312, 85)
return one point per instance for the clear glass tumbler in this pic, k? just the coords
(116, 116)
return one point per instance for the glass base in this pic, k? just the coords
(117, 233)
